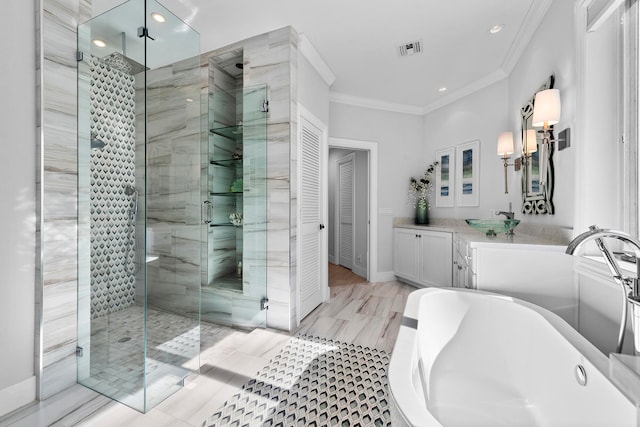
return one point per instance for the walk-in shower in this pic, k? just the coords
(139, 197)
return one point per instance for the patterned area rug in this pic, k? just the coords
(313, 382)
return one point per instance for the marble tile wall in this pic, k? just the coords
(57, 179)
(56, 186)
(271, 59)
(173, 185)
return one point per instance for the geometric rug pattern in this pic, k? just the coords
(313, 382)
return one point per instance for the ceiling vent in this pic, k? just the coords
(410, 48)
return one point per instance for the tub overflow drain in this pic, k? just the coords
(581, 375)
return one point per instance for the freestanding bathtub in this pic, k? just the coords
(470, 358)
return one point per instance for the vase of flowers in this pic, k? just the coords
(419, 192)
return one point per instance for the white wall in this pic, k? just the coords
(600, 181)
(552, 50)
(484, 114)
(17, 192)
(400, 153)
(313, 91)
(479, 116)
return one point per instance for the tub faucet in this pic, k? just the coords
(630, 285)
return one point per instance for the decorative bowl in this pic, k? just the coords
(492, 227)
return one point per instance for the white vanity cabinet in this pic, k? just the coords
(423, 257)
(464, 275)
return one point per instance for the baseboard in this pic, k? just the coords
(17, 395)
(359, 270)
(332, 259)
(382, 276)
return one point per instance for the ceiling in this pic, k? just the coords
(359, 40)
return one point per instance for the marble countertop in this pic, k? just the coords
(525, 234)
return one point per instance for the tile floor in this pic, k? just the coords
(365, 314)
(118, 368)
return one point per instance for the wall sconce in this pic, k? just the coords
(529, 143)
(546, 112)
(505, 149)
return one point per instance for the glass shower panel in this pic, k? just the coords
(173, 222)
(138, 185)
(235, 291)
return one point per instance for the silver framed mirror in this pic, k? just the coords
(536, 197)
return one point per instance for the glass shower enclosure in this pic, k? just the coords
(139, 194)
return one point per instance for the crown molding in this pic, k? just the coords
(306, 48)
(375, 104)
(532, 21)
(479, 84)
(599, 11)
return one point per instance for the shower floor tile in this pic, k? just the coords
(117, 365)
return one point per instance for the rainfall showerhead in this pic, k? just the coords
(121, 62)
(96, 143)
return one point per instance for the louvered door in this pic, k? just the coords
(345, 210)
(311, 227)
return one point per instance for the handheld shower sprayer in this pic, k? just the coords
(130, 190)
(133, 255)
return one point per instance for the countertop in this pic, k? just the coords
(530, 235)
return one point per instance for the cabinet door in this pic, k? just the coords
(436, 258)
(405, 251)
(458, 271)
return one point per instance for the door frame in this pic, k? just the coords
(303, 112)
(351, 157)
(372, 231)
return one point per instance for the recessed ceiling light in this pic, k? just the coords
(496, 29)
(158, 17)
(99, 43)
(442, 89)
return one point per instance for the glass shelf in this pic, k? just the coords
(231, 132)
(228, 193)
(227, 224)
(227, 162)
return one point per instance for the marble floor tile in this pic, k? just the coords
(364, 314)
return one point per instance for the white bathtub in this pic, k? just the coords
(470, 358)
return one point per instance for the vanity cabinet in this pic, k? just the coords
(464, 275)
(423, 257)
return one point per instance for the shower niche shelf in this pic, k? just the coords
(236, 277)
(231, 132)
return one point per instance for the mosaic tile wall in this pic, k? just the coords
(113, 258)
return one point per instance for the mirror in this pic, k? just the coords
(536, 198)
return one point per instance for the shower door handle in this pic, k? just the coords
(206, 212)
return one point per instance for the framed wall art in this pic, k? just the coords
(468, 174)
(445, 178)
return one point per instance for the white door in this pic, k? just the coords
(345, 210)
(310, 218)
